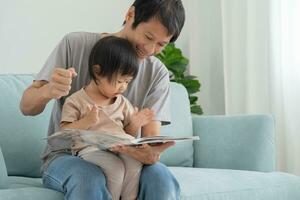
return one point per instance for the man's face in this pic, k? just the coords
(149, 38)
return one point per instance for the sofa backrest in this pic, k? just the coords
(181, 125)
(22, 137)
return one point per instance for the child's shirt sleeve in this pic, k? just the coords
(70, 111)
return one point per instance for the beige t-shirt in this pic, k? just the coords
(113, 117)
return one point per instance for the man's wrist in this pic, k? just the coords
(45, 91)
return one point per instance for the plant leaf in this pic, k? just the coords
(176, 63)
(193, 99)
(196, 109)
(192, 86)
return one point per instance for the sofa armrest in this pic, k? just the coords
(3, 172)
(242, 142)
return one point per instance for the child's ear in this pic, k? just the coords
(96, 69)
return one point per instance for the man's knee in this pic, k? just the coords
(156, 172)
(158, 178)
(87, 175)
(77, 178)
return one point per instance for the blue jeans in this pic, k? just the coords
(79, 179)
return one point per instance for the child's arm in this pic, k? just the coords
(138, 119)
(84, 123)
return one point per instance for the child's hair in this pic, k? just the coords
(115, 56)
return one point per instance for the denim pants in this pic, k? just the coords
(80, 180)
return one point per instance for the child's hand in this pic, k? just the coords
(142, 117)
(92, 118)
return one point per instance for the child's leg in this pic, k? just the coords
(132, 176)
(112, 167)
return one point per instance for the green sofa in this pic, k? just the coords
(234, 159)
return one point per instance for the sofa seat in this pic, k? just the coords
(28, 189)
(224, 184)
(30, 193)
(196, 184)
(21, 182)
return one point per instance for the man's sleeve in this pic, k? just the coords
(59, 57)
(158, 98)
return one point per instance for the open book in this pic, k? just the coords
(106, 140)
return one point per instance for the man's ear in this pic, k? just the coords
(129, 17)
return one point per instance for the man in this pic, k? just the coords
(149, 25)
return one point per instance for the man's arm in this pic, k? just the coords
(34, 98)
(39, 93)
(151, 129)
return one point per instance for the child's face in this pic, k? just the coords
(112, 88)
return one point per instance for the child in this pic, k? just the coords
(113, 63)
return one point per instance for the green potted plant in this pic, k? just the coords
(177, 65)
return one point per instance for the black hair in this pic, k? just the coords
(115, 56)
(170, 13)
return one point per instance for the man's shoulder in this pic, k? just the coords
(155, 64)
(81, 37)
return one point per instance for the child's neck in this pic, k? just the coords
(95, 94)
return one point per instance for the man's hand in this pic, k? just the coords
(60, 83)
(145, 153)
(40, 92)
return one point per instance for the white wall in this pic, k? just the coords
(30, 29)
(203, 37)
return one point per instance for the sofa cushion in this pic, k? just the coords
(30, 193)
(243, 142)
(181, 125)
(20, 182)
(22, 147)
(3, 172)
(219, 184)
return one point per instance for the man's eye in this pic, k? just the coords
(149, 38)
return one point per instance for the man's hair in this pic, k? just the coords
(115, 56)
(170, 13)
